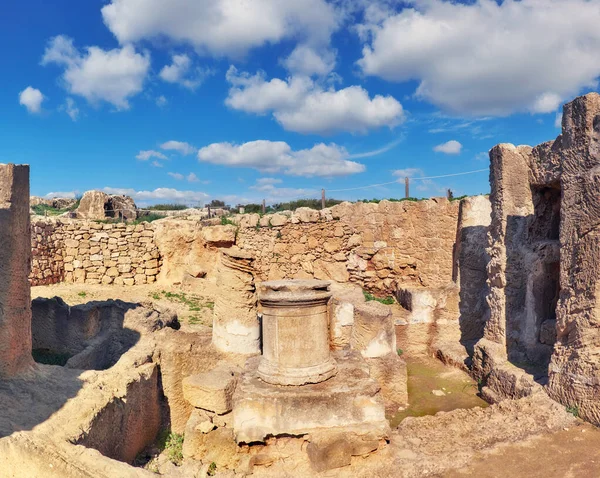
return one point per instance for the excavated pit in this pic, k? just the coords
(89, 336)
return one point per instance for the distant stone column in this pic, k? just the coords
(15, 265)
(295, 332)
(236, 328)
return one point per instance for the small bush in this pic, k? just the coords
(389, 300)
(399, 351)
(82, 294)
(212, 469)
(573, 410)
(225, 221)
(174, 448)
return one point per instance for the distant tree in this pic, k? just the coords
(217, 203)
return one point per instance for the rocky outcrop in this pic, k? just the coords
(56, 203)
(99, 205)
(544, 268)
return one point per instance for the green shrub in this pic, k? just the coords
(225, 221)
(174, 448)
(389, 300)
(167, 207)
(573, 410)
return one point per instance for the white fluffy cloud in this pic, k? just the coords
(305, 60)
(190, 178)
(62, 194)
(277, 156)
(182, 72)
(449, 147)
(160, 194)
(112, 76)
(179, 146)
(31, 98)
(145, 155)
(485, 58)
(299, 104)
(221, 27)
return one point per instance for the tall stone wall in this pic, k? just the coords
(544, 269)
(379, 246)
(93, 253)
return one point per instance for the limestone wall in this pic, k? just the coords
(93, 253)
(379, 246)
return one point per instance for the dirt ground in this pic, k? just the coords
(569, 453)
(192, 303)
(452, 435)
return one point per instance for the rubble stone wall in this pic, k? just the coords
(93, 253)
(379, 246)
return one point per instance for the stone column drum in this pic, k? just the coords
(295, 333)
(15, 264)
(235, 325)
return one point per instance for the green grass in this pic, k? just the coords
(173, 445)
(225, 221)
(389, 300)
(212, 469)
(168, 207)
(147, 218)
(82, 294)
(194, 303)
(573, 410)
(399, 351)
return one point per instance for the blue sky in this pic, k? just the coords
(193, 100)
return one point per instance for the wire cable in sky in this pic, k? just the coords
(398, 181)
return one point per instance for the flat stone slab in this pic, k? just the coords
(212, 391)
(349, 402)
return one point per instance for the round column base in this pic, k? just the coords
(276, 375)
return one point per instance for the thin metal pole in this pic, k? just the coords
(322, 198)
(406, 187)
(264, 208)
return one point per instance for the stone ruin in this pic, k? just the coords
(299, 375)
(543, 268)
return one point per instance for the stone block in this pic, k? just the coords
(347, 402)
(373, 333)
(211, 390)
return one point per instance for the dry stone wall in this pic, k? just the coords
(93, 253)
(379, 246)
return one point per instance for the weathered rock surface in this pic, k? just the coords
(99, 205)
(15, 256)
(212, 390)
(544, 266)
(236, 328)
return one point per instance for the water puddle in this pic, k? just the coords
(434, 387)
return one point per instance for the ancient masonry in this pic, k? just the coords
(544, 269)
(378, 246)
(93, 253)
(15, 253)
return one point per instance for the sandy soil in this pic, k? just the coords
(192, 303)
